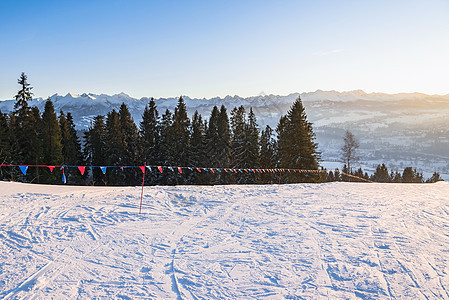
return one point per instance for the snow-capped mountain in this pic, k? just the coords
(406, 129)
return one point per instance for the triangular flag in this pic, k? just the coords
(160, 169)
(23, 169)
(219, 170)
(121, 167)
(226, 170)
(179, 169)
(149, 168)
(103, 169)
(63, 178)
(198, 169)
(143, 169)
(170, 168)
(212, 170)
(82, 169)
(51, 168)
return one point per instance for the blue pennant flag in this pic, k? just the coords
(23, 169)
(64, 180)
(170, 168)
(219, 170)
(103, 169)
(149, 168)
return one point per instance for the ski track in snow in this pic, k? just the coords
(303, 241)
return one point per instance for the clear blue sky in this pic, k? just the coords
(215, 48)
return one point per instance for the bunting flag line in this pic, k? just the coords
(142, 168)
(82, 169)
(103, 169)
(23, 169)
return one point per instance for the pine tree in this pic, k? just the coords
(224, 139)
(410, 175)
(114, 149)
(4, 144)
(71, 148)
(25, 128)
(212, 138)
(251, 145)
(51, 142)
(238, 125)
(23, 96)
(150, 134)
(181, 129)
(267, 154)
(198, 148)
(381, 174)
(167, 146)
(4, 138)
(297, 146)
(149, 137)
(130, 153)
(95, 149)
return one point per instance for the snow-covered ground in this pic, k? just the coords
(335, 240)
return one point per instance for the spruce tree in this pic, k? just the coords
(114, 149)
(181, 127)
(212, 139)
(198, 148)
(25, 128)
(95, 149)
(130, 152)
(267, 154)
(149, 134)
(51, 143)
(297, 146)
(149, 139)
(381, 174)
(251, 145)
(71, 148)
(167, 146)
(4, 138)
(4, 144)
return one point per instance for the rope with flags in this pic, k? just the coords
(160, 169)
(177, 169)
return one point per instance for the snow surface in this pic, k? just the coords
(335, 240)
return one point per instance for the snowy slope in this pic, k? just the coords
(337, 240)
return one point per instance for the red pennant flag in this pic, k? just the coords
(160, 169)
(198, 169)
(143, 169)
(212, 170)
(51, 168)
(82, 169)
(179, 169)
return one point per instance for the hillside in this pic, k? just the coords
(336, 240)
(400, 130)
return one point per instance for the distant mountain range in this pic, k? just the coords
(407, 129)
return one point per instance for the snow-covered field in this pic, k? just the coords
(335, 240)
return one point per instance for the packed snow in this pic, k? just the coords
(301, 241)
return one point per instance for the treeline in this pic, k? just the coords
(382, 175)
(226, 140)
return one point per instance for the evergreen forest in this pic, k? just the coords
(223, 141)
